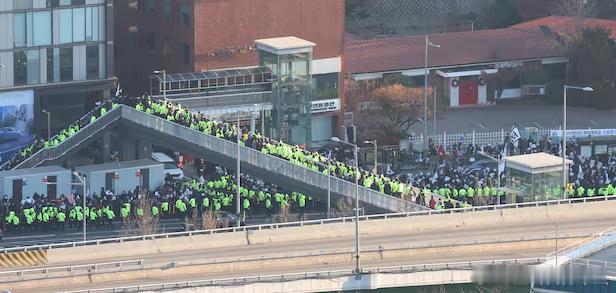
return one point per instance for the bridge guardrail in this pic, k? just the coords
(312, 275)
(85, 267)
(576, 245)
(306, 223)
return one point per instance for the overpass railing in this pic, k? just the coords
(52, 153)
(586, 241)
(327, 274)
(90, 268)
(268, 163)
(306, 223)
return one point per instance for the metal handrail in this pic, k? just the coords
(88, 267)
(86, 132)
(578, 244)
(312, 275)
(305, 223)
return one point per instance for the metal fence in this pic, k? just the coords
(498, 137)
(83, 134)
(90, 268)
(327, 274)
(305, 223)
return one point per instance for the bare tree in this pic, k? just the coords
(578, 8)
(209, 221)
(344, 206)
(284, 215)
(141, 225)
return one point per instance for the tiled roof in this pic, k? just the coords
(569, 25)
(461, 48)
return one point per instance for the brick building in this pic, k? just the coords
(194, 36)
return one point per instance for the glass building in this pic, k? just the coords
(289, 59)
(534, 177)
(59, 52)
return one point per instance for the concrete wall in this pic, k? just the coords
(127, 179)
(33, 183)
(509, 217)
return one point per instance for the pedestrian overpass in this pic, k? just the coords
(138, 130)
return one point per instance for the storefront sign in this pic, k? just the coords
(325, 106)
(584, 133)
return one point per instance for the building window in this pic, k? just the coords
(92, 24)
(19, 30)
(32, 29)
(151, 41)
(57, 3)
(133, 36)
(92, 62)
(166, 47)
(79, 25)
(50, 66)
(150, 6)
(185, 53)
(66, 64)
(66, 26)
(22, 4)
(20, 72)
(167, 10)
(185, 15)
(34, 66)
(325, 86)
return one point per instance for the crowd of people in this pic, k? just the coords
(215, 192)
(447, 172)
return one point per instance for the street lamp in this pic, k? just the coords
(164, 73)
(374, 142)
(428, 43)
(48, 123)
(338, 140)
(564, 147)
(237, 179)
(82, 183)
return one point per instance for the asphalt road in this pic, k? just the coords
(420, 238)
(524, 113)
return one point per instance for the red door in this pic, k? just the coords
(468, 92)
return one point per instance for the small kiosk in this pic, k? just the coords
(123, 176)
(534, 177)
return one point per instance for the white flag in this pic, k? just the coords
(118, 90)
(501, 161)
(515, 136)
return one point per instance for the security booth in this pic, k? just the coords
(123, 176)
(598, 146)
(534, 177)
(50, 182)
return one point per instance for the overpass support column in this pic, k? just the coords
(253, 121)
(129, 147)
(106, 152)
(144, 149)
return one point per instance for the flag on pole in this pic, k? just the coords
(501, 161)
(515, 136)
(118, 90)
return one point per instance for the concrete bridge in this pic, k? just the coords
(404, 251)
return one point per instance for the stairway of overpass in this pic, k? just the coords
(223, 152)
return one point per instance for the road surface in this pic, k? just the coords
(388, 240)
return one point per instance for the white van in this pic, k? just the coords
(171, 166)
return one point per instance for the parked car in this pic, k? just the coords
(9, 134)
(222, 219)
(171, 166)
(480, 165)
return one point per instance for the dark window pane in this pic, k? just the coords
(53, 3)
(92, 62)
(185, 53)
(20, 73)
(185, 15)
(34, 66)
(66, 64)
(50, 65)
